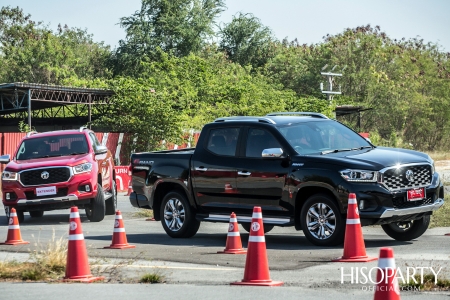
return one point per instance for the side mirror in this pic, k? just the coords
(4, 159)
(272, 152)
(101, 149)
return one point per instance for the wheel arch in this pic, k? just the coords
(307, 191)
(162, 189)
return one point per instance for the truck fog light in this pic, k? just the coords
(87, 188)
(8, 196)
(361, 204)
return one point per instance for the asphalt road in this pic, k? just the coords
(192, 266)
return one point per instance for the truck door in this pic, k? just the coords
(214, 170)
(261, 181)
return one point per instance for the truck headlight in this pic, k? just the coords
(7, 175)
(82, 168)
(359, 175)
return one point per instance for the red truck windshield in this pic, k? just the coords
(51, 146)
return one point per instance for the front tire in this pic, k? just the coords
(97, 209)
(322, 222)
(177, 218)
(406, 231)
(111, 203)
(20, 215)
(267, 227)
(36, 213)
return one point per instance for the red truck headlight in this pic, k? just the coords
(82, 168)
(7, 175)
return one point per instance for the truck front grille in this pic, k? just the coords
(36, 176)
(396, 178)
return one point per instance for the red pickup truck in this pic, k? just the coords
(57, 170)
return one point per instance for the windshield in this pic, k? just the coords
(322, 137)
(58, 145)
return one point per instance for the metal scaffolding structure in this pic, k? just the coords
(39, 101)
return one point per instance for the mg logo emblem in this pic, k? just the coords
(45, 175)
(409, 175)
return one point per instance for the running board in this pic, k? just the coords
(244, 219)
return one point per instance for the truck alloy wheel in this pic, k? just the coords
(321, 221)
(176, 217)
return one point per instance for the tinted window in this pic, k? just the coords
(315, 137)
(223, 141)
(258, 140)
(57, 145)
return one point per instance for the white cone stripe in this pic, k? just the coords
(353, 221)
(13, 214)
(257, 239)
(352, 201)
(233, 234)
(119, 229)
(234, 220)
(385, 263)
(118, 217)
(74, 215)
(13, 227)
(257, 215)
(76, 237)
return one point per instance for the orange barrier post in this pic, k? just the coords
(14, 237)
(354, 247)
(77, 268)
(119, 239)
(387, 284)
(256, 264)
(234, 244)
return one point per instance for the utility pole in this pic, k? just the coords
(330, 78)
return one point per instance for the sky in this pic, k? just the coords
(308, 21)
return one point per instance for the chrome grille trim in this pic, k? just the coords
(398, 182)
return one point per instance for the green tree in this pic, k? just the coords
(247, 41)
(174, 26)
(31, 52)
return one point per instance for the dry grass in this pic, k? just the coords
(143, 213)
(152, 278)
(441, 217)
(47, 263)
(429, 283)
(439, 155)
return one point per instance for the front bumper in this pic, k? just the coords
(392, 212)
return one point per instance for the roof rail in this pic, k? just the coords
(83, 128)
(244, 118)
(311, 114)
(30, 133)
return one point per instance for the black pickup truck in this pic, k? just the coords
(299, 167)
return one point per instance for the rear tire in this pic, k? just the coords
(267, 227)
(406, 231)
(177, 218)
(111, 203)
(97, 209)
(36, 213)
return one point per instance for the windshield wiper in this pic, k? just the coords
(45, 156)
(76, 153)
(363, 147)
(335, 151)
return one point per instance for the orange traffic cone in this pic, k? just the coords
(234, 244)
(14, 237)
(354, 247)
(256, 263)
(130, 188)
(387, 284)
(77, 268)
(119, 239)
